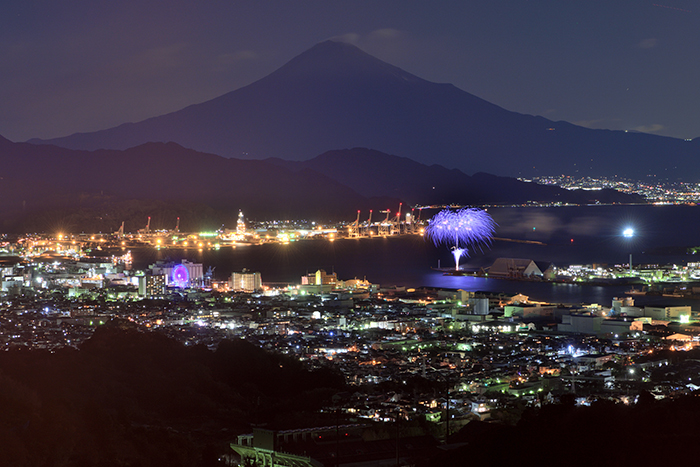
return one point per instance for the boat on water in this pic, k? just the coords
(634, 291)
(462, 273)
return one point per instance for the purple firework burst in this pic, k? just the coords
(460, 230)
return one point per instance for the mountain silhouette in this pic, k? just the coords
(42, 183)
(335, 96)
(375, 174)
(45, 187)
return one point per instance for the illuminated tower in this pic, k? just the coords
(240, 225)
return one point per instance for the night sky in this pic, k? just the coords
(86, 65)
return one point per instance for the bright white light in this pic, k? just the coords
(628, 232)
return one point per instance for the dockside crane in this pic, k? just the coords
(368, 226)
(396, 222)
(410, 222)
(177, 226)
(147, 229)
(417, 221)
(354, 229)
(385, 225)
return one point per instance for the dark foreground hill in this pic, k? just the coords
(336, 96)
(604, 434)
(141, 399)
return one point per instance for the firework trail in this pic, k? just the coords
(461, 230)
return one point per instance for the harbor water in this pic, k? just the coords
(563, 236)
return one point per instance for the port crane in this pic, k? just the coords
(409, 227)
(120, 233)
(147, 229)
(385, 225)
(354, 229)
(368, 225)
(390, 225)
(395, 228)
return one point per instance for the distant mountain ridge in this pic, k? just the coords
(336, 96)
(40, 184)
(375, 174)
(44, 187)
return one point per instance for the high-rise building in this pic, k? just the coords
(320, 277)
(152, 285)
(246, 281)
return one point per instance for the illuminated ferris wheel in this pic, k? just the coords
(180, 276)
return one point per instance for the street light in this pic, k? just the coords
(629, 233)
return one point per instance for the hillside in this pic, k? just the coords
(48, 188)
(376, 174)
